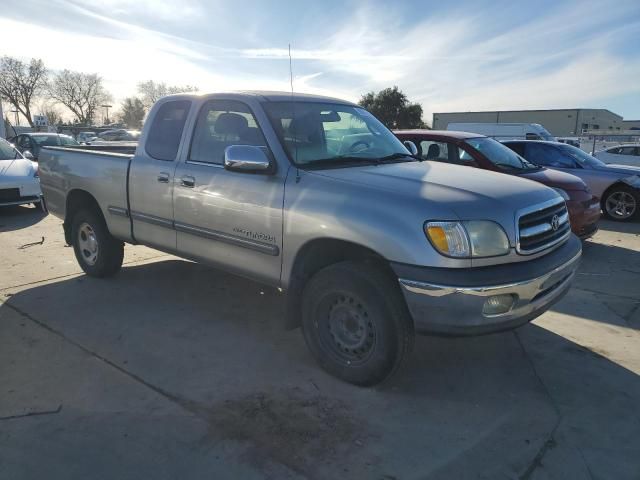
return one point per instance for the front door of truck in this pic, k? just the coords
(151, 177)
(228, 219)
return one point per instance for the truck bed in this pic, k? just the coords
(103, 173)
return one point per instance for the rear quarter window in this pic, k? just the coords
(166, 130)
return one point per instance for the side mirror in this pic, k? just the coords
(28, 155)
(411, 147)
(247, 159)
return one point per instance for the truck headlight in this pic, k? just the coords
(473, 238)
(562, 193)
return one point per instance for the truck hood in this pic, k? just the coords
(556, 178)
(18, 167)
(471, 193)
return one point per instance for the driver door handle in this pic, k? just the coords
(188, 181)
(163, 177)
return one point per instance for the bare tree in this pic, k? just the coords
(82, 93)
(132, 112)
(152, 92)
(21, 82)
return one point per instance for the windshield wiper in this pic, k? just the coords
(399, 155)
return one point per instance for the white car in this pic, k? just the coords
(628, 154)
(19, 181)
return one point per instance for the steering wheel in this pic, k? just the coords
(352, 148)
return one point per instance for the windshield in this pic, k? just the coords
(582, 157)
(332, 134)
(498, 154)
(7, 152)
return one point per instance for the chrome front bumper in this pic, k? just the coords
(456, 310)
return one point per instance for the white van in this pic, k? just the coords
(505, 131)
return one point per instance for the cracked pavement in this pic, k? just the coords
(175, 370)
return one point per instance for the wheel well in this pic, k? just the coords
(316, 255)
(76, 200)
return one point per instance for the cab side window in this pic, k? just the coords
(166, 130)
(24, 142)
(220, 124)
(627, 151)
(548, 156)
(431, 150)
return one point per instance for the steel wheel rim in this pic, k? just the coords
(88, 244)
(621, 205)
(346, 329)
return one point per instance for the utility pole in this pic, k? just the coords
(16, 118)
(106, 109)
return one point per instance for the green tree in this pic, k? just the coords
(132, 112)
(392, 107)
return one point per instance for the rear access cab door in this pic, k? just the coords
(152, 174)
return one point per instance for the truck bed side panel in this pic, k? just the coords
(102, 175)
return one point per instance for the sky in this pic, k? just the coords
(448, 56)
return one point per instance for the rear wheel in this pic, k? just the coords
(621, 203)
(97, 251)
(356, 323)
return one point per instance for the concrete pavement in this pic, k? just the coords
(174, 370)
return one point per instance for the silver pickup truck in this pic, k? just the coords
(315, 196)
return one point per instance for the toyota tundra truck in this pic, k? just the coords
(314, 196)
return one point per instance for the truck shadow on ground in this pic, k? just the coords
(213, 344)
(19, 217)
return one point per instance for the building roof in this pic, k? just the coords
(533, 110)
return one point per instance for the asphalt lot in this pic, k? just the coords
(174, 370)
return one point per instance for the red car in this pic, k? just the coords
(483, 152)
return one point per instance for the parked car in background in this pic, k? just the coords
(30, 144)
(84, 137)
(119, 135)
(621, 155)
(478, 151)
(315, 196)
(505, 131)
(618, 186)
(19, 182)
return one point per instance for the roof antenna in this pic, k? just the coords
(293, 107)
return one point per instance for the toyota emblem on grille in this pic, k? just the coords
(555, 222)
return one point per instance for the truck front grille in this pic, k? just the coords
(9, 195)
(543, 226)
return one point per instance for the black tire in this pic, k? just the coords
(356, 323)
(628, 195)
(106, 260)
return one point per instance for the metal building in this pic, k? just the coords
(560, 122)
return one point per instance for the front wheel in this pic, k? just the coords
(97, 251)
(355, 323)
(621, 203)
